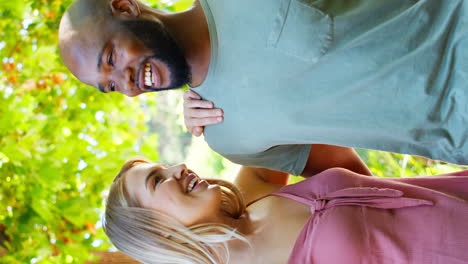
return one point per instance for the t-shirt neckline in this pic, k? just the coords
(213, 44)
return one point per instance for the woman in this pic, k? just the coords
(161, 214)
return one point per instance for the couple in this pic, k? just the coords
(288, 75)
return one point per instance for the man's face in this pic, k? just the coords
(127, 56)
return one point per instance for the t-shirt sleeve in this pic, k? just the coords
(287, 158)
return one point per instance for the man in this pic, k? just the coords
(387, 75)
(125, 46)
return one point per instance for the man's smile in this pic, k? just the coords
(148, 76)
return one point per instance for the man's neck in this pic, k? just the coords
(190, 30)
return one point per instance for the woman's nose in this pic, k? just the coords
(178, 171)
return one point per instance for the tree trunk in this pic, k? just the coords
(3, 239)
(113, 258)
(105, 257)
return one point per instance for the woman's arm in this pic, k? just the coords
(323, 157)
(257, 182)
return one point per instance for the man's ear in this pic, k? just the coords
(126, 8)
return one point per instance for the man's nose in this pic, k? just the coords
(129, 74)
(126, 78)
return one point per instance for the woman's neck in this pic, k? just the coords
(266, 229)
(254, 225)
(244, 251)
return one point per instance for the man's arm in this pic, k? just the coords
(323, 157)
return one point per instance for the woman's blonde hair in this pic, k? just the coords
(152, 237)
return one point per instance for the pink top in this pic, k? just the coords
(363, 219)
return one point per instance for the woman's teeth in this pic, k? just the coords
(191, 184)
(149, 77)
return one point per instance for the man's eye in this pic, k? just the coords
(110, 59)
(112, 86)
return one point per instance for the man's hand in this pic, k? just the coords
(199, 113)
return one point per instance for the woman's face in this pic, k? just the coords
(175, 191)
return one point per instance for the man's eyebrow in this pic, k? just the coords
(101, 88)
(99, 59)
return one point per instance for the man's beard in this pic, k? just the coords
(157, 39)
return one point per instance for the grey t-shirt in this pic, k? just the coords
(376, 74)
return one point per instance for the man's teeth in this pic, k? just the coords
(148, 75)
(191, 184)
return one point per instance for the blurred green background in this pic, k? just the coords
(62, 142)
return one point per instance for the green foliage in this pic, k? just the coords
(385, 164)
(61, 142)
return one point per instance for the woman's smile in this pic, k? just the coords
(178, 192)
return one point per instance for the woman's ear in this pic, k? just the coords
(125, 8)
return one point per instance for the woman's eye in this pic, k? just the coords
(157, 180)
(112, 86)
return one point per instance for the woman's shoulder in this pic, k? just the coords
(322, 183)
(252, 184)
